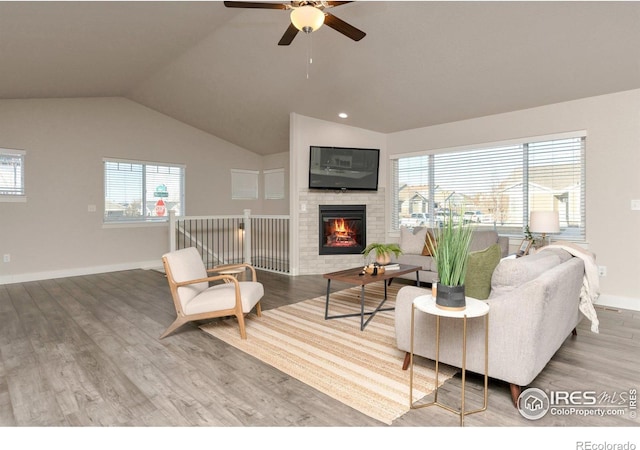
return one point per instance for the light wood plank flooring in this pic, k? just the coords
(84, 351)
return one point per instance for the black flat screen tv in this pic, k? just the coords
(343, 168)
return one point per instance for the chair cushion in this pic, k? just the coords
(186, 264)
(223, 296)
(480, 267)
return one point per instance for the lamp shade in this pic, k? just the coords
(307, 18)
(544, 222)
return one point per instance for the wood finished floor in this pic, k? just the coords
(84, 351)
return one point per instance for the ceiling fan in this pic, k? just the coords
(306, 16)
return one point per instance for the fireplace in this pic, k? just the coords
(342, 229)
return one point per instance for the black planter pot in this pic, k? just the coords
(451, 297)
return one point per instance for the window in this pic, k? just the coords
(495, 187)
(12, 175)
(141, 191)
(274, 184)
(244, 184)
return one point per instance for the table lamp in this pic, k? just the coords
(544, 222)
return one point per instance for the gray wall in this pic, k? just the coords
(53, 234)
(612, 124)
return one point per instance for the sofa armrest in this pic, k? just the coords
(530, 323)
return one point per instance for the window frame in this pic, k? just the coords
(142, 220)
(431, 171)
(20, 195)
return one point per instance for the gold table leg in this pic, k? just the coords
(435, 402)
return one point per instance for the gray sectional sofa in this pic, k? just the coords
(412, 243)
(534, 307)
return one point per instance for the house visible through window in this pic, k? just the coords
(495, 187)
(142, 191)
(12, 175)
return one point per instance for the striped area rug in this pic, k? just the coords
(362, 369)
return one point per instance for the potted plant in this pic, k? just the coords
(450, 251)
(383, 252)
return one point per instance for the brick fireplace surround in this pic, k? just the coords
(311, 262)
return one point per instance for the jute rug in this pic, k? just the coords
(362, 369)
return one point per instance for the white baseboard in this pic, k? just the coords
(615, 301)
(49, 275)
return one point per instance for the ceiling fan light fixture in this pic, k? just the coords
(307, 18)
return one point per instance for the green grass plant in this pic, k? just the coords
(451, 250)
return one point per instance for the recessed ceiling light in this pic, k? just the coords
(343, 115)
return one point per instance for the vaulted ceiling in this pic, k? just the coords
(221, 70)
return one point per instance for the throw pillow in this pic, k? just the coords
(412, 241)
(429, 244)
(480, 267)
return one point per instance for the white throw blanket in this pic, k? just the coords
(591, 283)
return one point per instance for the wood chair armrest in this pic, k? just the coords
(208, 279)
(227, 266)
(235, 266)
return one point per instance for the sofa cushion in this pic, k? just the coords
(412, 240)
(562, 254)
(512, 273)
(426, 262)
(481, 239)
(480, 267)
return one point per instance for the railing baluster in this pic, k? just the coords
(219, 239)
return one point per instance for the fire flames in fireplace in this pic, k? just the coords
(342, 229)
(340, 234)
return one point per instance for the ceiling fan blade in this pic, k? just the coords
(288, 35)
(343, 27)
(260, 5)
(332, 4)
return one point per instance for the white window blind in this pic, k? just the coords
(137, 191)
(244, 184)
(274, 184)
(495, 187)
(12, 175)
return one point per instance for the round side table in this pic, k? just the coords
(474, 308)
(235, 271)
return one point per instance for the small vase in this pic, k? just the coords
(451, 297)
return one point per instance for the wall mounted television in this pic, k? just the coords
(343, 168)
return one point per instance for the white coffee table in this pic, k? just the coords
(474, 308)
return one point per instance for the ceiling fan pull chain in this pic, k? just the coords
(309, 55)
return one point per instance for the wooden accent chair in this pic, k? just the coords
(195, 299)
